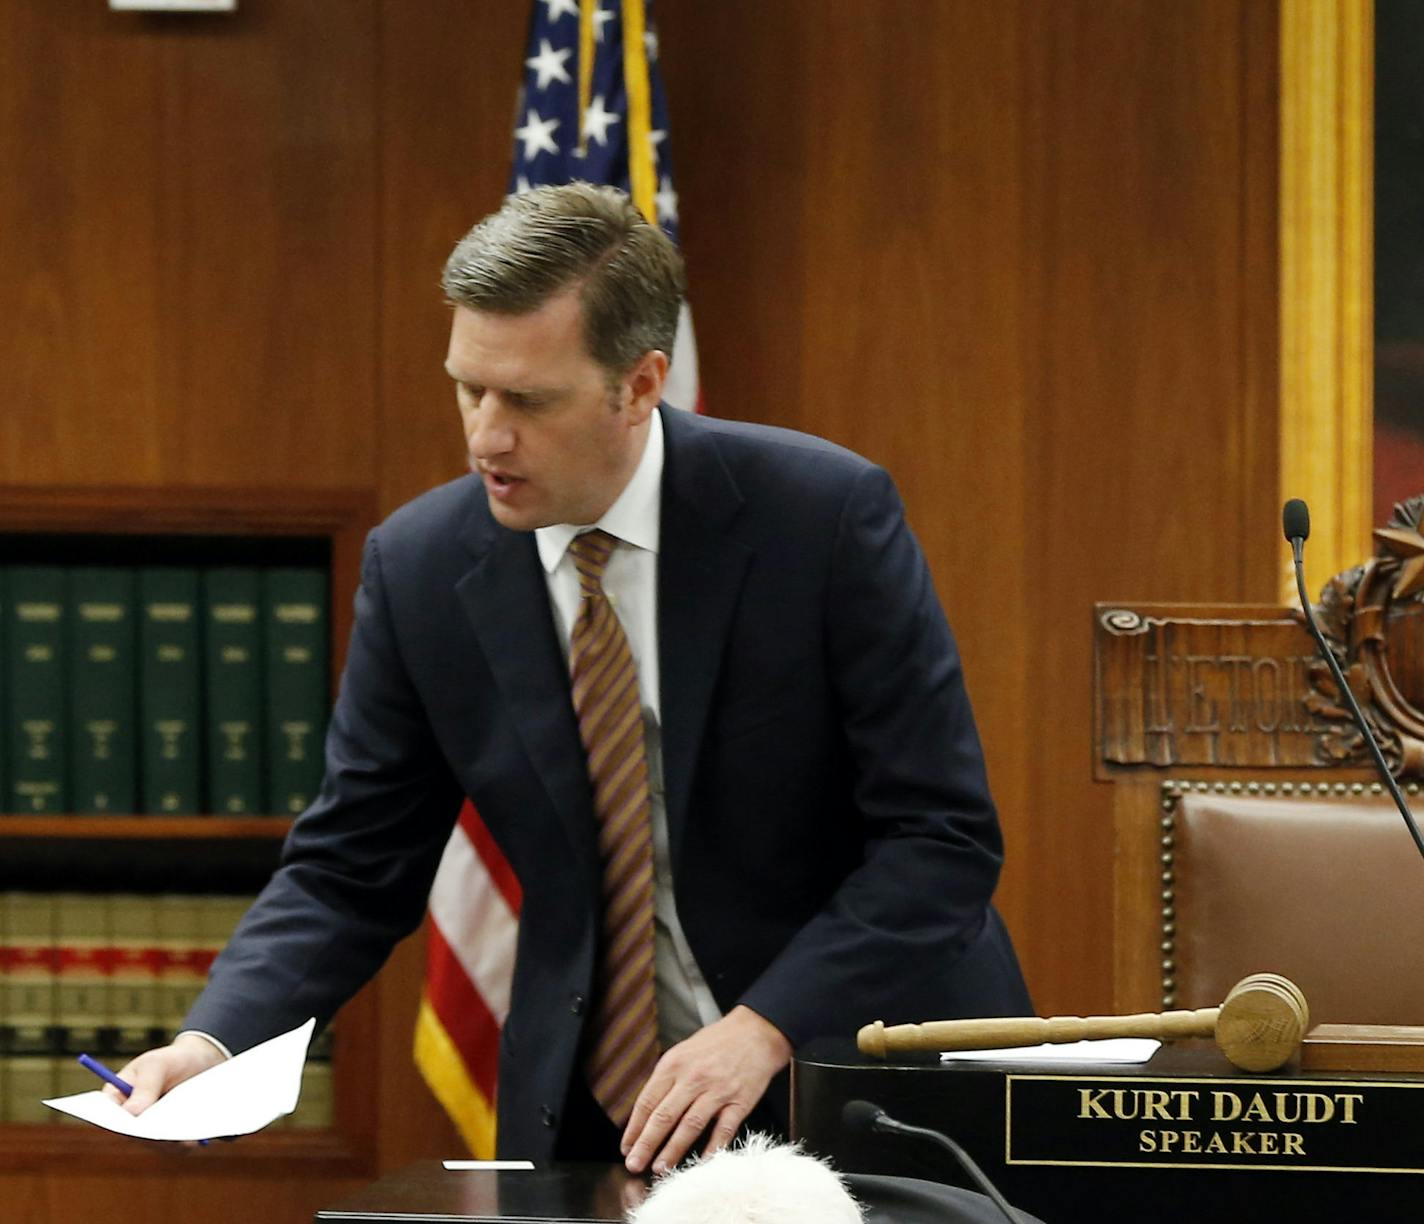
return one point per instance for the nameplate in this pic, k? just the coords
(1262, 1123)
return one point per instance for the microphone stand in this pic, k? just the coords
(1298, 548)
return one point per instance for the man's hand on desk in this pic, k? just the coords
(718, 1074)
(158, 1071)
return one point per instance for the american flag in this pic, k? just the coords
(591, 107)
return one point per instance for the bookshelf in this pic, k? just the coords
(209, 853)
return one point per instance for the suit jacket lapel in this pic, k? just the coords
(506, 598)
(700, 573)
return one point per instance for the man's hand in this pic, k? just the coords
(719, 1073)
(161, 1070)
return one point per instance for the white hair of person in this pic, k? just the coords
(758, 1181)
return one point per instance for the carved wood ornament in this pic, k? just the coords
(1372, 619)
(1236, 686)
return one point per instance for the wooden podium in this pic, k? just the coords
(1181, 1139)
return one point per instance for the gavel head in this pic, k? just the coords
(1262, 1022)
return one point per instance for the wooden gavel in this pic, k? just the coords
(1259, 1027)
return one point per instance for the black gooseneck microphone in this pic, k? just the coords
(864, 1117)
(1295, 521)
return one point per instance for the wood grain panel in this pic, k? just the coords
(1022, 253)
(188, 1192)
(189, 228)
(1014, 252)
(445, 156)
(79, 224)
(1142, 446)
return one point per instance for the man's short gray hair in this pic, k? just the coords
(628, 274)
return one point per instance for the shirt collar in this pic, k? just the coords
(636, 517)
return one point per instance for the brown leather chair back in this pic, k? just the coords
(1327, 891)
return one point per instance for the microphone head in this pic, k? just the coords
(860, 1117)
(1295, 520)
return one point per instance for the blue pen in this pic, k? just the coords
(103, 1072)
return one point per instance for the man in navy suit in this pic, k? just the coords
(823, 844)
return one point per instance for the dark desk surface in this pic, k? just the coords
(562, 1194)
(600, 1194)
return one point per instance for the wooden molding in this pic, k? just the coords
(1327, 254)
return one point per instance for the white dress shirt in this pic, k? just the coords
(630, 581)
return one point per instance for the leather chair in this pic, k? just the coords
(1323, 888)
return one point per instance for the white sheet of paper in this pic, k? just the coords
(237, 1097)
(1110, 1050)
(464, 1166)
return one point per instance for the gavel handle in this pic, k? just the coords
(878, 1039)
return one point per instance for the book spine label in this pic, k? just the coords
(170, 690)
(82, 940)
(233, 716)
(36, 720)
(103, 693)
(295, 624)
(135, 1009)
(27, 989)
(180, 971)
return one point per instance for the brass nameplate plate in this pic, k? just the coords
(1187, 1123)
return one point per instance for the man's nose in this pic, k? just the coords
(488, 432)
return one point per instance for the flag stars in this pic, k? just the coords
(549, 64)
(596, 121)
(537, 135)
(601, 17)
(557, 8)
(650, 45)
(666, 202)
(655, 138)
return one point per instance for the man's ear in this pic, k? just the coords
(645, 384)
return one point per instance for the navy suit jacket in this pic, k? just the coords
(833, 842)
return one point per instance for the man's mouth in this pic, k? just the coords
(500, 484)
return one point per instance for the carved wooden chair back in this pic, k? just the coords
(1277, 851)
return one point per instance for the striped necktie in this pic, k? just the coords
(610, 717)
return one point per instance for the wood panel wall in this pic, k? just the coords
(1022, 253)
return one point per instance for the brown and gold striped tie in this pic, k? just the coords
(610, 718)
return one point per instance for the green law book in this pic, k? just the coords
(232, 652)
(296, 649)
(35, 719)
(103, 690)
(170, 690)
